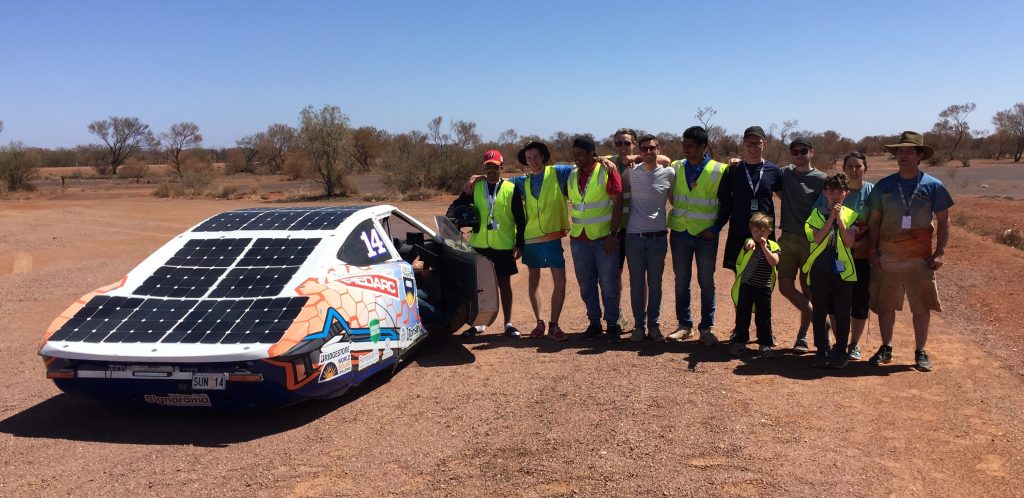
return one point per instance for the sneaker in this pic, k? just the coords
(800, 346)
(592, 331)
(854, 352)
(614, 333)
(884, 355)
(767, 351)
(638, 335)
(681, 334)
(820, 358)
(538, 331)
(471, 332)
(707, 336)
(556, 332)
(838, 358)
(512, 332)
(737, 349)
(655, 335)
(922, 361)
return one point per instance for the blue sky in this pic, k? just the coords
(233, 67)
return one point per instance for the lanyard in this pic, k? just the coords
(491, 198)
(750, 181)
(586, 184)
(906, 203)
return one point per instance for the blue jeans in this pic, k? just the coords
(686, 248)
(646, 259)
(594, 267)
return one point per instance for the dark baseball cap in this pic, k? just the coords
(754, 130)
(801, 141)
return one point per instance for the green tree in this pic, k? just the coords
(179, 138)
(953, 125)
(274, 144)
(122, 136)
(18, 165)
(327, 142)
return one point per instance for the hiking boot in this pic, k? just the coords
(737, 349)
(820, 358)
(655, 335)
(800, 346)
(512, 332)
(922, 361)
(537, 331)
(681, 334)
(884, 355)
(592, 331)
(614, 333)
(556, 332)
(854, 352)
(707, 336)
(638, 335)
(767, 351)
(839, 358)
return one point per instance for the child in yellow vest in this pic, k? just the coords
(752, 291)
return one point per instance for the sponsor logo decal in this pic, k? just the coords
(367, 360)
(388, 353)
(331, 352)
(407, 270)
(377, 283)
(374, 330)
(410, 290)
(403, 335)
(330, 372)
(178, 400)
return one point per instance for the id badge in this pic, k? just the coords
(493, 225)
(753, 205)
(840, 267)
(905, 224)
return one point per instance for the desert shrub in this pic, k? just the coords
(227, 192)
(237, 163)
(18, 166)
(296, 167)
(377, 198)
(165, 190)
(1012, 237)
(937, 160)
(133, 168)
(959, 219)
(421, 194)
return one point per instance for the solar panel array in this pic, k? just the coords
(289, 219)
(113, 319)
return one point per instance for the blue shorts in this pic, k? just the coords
(544, 254)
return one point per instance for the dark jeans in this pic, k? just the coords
(686, 249)
(758, 300)
(830, 291)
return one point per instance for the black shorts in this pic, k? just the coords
(503, 259)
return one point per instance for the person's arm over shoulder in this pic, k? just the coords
(563, 171)
(614, 181)
(519, 215)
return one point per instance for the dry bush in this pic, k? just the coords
(296, 167)
(938, 159)
(237, 163)
(1012, 237)
(133, 168)
(165, 190)
(377, 198)
(18, 166)
(196, 174)
(422, 194)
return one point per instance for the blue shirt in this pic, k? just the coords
(894, 241)
(562, 172)
(693, 171)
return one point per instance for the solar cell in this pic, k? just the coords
(290, 219)
(181, 320)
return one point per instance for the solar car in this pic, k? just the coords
(266, 307)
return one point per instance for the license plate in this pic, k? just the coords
(209, 382)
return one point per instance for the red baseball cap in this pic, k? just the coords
(493, 156)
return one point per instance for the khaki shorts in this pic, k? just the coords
(795, 249)
(894, 280)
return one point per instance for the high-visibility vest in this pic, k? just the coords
(548, 213)
(845, 254)
(505, 236)
(695, 210)
(592, 213)
(741, 264)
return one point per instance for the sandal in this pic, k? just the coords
(538, 331)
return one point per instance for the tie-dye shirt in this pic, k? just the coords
(895, 242)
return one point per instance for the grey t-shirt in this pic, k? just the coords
(649, 196)
(799, 192)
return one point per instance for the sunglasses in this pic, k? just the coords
(623, 144)
(799, 152)
(649, 148)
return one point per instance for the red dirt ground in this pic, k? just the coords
(495, 416)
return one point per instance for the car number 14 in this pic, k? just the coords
(374, 244)
(209, 381)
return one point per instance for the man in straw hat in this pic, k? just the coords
(906, 207)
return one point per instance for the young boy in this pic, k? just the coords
(752, 291)
(831, 271)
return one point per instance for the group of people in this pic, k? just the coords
(854, 246)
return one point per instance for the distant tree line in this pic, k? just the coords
(325, 148)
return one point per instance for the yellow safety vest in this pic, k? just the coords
(741, 264)
(593, 212)
(695, 210)
(845, 254)
(547, 214)
(505, 236)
